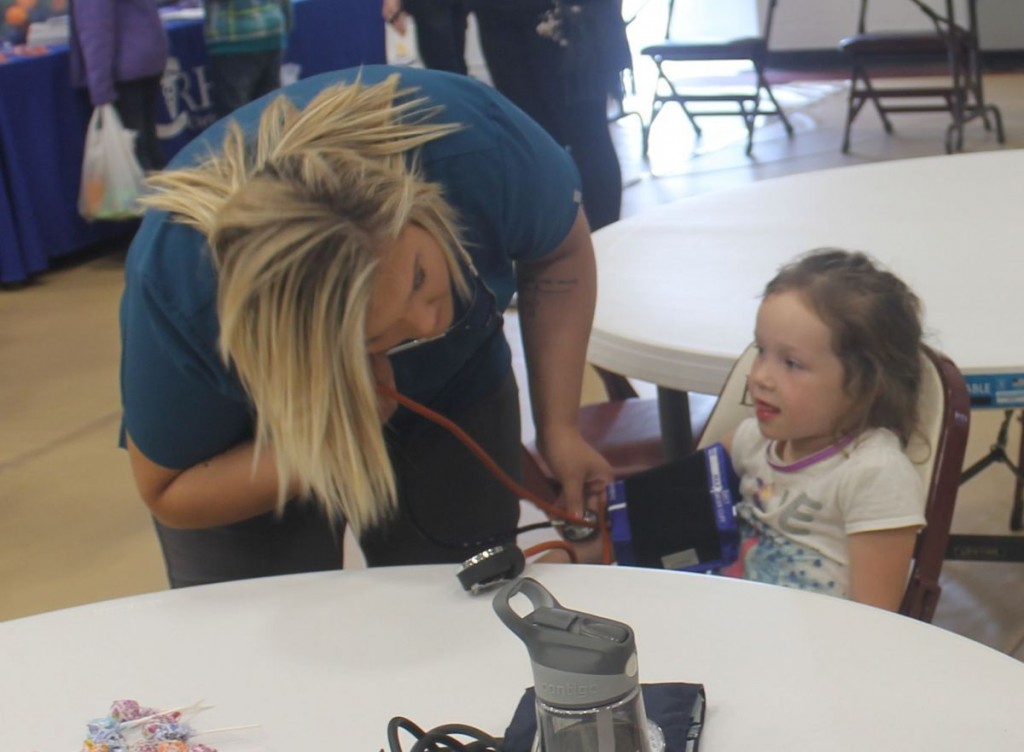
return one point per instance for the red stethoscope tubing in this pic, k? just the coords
(521, 491)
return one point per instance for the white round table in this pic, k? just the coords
(323, 661)
(679, 286)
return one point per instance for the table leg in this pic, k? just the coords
(1017, 514)
(674, 415)
(995, 547)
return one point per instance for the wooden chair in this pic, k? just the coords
(625, 429)
(937, 450)
(949, 41)
(748, 105)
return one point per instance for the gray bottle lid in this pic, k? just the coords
(579, 660)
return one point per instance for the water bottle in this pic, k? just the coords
(585, 676)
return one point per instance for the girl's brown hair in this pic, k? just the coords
(875, 320)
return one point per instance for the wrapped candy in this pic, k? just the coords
(129, 710)
(131, 727)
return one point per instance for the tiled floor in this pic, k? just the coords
(72, 529)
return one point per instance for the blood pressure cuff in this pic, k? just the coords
(677, 708)
(679, 515)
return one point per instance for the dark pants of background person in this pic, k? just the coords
(446, 494)
(136, 105)
(238, 79)
(440, 33)
(525, 67)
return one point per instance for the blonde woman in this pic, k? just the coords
(365, 227)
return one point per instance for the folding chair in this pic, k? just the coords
(936, 448)
(748, 105)
(962, 96)
(620, 112)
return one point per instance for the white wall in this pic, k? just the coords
(820, 24)
(1001, 24)
(799, 24)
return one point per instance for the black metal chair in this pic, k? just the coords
(749, 104)
(950, 42)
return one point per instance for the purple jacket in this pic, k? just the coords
(115, 40)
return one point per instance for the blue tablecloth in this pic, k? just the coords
(43, 122)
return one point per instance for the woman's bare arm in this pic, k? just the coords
(224, 489)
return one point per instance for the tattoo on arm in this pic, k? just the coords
(533, 288)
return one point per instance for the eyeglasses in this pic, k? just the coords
(411, 344)
(463, 323)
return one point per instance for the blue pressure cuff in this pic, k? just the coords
(679, 515)
(677, 708)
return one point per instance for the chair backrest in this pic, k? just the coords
(936, 449)
(945, 416)
(731, 408)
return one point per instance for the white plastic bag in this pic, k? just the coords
(112, 179)
(400, 47)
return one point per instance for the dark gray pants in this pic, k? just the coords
(136, 104)
(239, 79)
(440, 33)
(530, 70)
(447, 500)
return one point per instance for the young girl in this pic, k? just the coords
(830, 502)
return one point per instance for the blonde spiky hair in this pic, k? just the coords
(296, 221)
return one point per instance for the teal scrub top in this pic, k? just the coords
(516, 193)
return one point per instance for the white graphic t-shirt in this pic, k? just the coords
(799, 515)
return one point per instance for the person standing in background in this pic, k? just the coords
(560, 62)
(440, 30)
(245, 41)
(118, 52)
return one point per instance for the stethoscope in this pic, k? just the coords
(498, 555)
(574, 528)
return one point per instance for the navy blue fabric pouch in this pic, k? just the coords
(679, 515)
(678, 708)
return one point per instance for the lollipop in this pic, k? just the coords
(131, 727)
